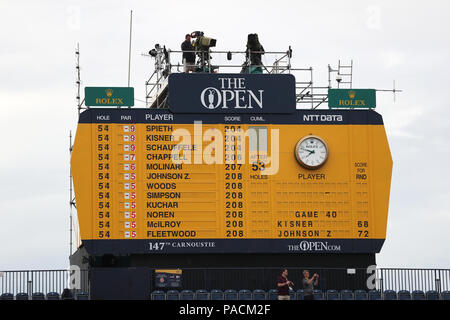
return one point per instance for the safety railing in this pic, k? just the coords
(382, 279)
(273, 62)
(413, 279)
(43, 281)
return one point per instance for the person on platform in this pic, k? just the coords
(283, 285)
(188, 54)
(308, 285)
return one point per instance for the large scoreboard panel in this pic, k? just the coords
(152, 181)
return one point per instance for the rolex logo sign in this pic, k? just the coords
(109, 96)
(351, 94)
(351, 98)
(109, 92)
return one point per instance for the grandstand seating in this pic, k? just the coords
(318, 295)
(375, 295)
(361, 295)
(403, 295)
(201, 295)
(7, 296)
(245, 294)
(292, 294)
(390, 295)
(53, 296)
(216, 294)
(187, 295)
(273, 294)
(22, 296)
(347, 295)
(38, 296)
(259, 294)
(445, 295)
(418, 295)
(332, 294)
(67, 294)
(173, 295)
(230, 295)
(432, 295)
(158, 295)
(82, 296)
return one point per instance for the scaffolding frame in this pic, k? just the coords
(307, 94)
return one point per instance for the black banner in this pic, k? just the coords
(231, 93)
(293, 246)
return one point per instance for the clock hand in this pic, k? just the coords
(310, 154)
(307, 150)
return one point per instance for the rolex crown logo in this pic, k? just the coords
(351, 94)
(109, 92)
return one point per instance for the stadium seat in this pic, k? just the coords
(332, 294)
(7, 296)
(299, 294)
(216, 294)
(22, 296)
(360, 295)
(82, 296)
(347, 295)
(445, 295)
(403, 295)
(53, 296)
(67, 294)
(231, 294)
(158, 295)
(173, 295)
(292, 294)
(418, 295)
(187, 295)
(318, 295)
(201, 295)
(432, 295)
(259, 294)
(273, 294)
(374, 295)
(245, 294)
(38, 296)
(390, 295)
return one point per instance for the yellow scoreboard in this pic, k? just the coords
(153, 181)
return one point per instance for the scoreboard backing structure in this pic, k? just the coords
(172, 181)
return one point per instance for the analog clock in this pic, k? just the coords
(311, 152)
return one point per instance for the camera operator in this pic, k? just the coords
(253, 63)
(308, 285)
(188, 54)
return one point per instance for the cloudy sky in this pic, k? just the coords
(405, 41)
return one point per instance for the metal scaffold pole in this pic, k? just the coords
(71, 197)
(129, 49)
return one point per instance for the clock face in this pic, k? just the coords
(311, 152)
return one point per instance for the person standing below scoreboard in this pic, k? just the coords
(308, 285)
(283, 285)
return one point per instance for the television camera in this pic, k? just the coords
(202, 44)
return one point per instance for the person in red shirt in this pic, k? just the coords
(283, 285)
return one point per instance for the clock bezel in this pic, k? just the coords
(300, 161)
